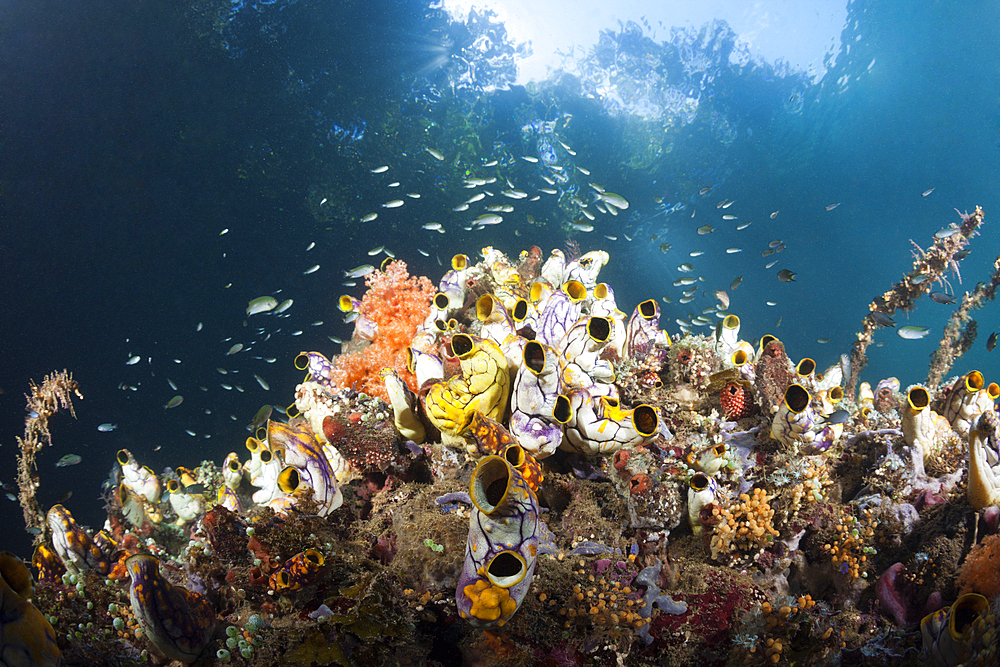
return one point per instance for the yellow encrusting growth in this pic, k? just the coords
(489, 602)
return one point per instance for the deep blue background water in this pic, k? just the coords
(131, 135)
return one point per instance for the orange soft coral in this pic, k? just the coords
(398, 304)
(980, 573)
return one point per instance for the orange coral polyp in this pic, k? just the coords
(398, 304)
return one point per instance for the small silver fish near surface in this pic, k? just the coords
(311, 269)
(733, 251)
(133, 360)
(234, 349)
(107, 428)
(394, 203)
(774, 215)
(926, 192)
(830, 207)
(174, 402)
(369, 217)
(945, 233)
(705, 229)
(380, 170)
(912, 333)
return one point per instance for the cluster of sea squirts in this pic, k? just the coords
(686, 500)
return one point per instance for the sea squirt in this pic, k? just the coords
(178, 622)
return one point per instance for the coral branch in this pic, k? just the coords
(928, 268)
(55, 393)
(960, 332)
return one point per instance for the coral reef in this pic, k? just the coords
(644, 500)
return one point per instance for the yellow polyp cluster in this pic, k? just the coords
(602, 604)
(489, 602)
(782, 625)
(744, 525)
(849, 550)
(810, 489)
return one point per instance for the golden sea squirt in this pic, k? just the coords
(177, 622)
(483, 386)
(26, 637)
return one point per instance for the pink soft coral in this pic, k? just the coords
(398, 304)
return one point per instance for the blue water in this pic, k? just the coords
(132, 135)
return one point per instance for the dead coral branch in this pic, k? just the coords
(55, 393)
(960, 332)
(928, 268)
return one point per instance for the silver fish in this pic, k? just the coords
(261, 304)
(359, 271)
(912, 333)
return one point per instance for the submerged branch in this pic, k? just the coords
(957, 339)
(929, 267)
(55, 393)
